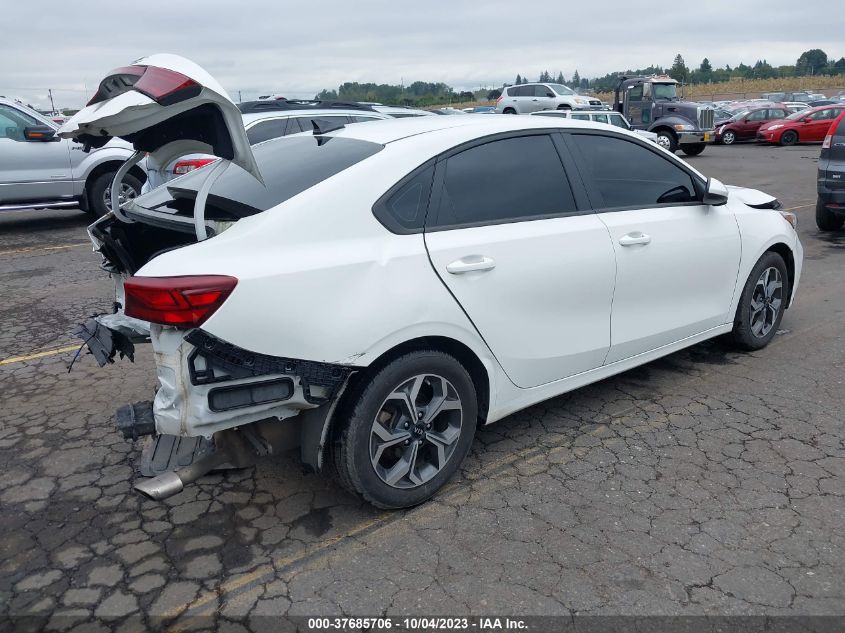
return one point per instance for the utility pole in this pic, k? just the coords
(239, 97)
(52, 105)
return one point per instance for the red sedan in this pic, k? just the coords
(744, 124)
(805, 126)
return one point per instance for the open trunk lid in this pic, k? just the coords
(167, 106)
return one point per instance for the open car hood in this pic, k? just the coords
(164, 105)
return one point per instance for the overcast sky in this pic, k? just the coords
(298, 48)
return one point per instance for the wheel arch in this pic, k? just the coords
(105, 167)
(788, 256)
(319, 432)
(460, 351)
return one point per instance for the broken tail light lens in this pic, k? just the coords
(164, 86)
(190, 164)
(177, 301)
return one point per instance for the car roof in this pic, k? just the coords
(388, 131)
(311, 112)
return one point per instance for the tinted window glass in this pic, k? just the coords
(525, 91)
(627, 174)
(840, 128)
(600, 118)
(543, 91)
(581, 117)
(407, 205)
(636, 93)
(289, 166)
(778, 114)
(506, 180)
(266, 130)
(364, 119)
(757, 115)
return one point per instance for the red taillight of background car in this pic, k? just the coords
(165, 87)
(178, 301)
(828, 141)
(190, 164)
(501, 96)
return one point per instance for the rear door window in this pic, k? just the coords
(625, 174)
(507, 180)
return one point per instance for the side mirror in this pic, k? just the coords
(39, 133)
(715, 193)
(550, 94)
(806, 119)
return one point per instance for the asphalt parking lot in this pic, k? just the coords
(709, 482)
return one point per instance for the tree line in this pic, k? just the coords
(424, 93)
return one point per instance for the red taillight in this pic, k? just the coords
(190, 164)
(501, 96)
(828, 141)
(166, 87)
(177, 301)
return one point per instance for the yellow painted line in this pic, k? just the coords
(265, 571)
(803, 206)
(30, 249)
(44, 354)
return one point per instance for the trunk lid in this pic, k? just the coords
(165, 105)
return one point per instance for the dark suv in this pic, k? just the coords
(830, 206)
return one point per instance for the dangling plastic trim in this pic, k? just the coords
(118, 180)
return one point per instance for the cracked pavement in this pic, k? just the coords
(708, 482)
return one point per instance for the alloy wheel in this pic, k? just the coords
(766, 302)
(664, 141)
(127, 192)
(416, 431)
(728, 138)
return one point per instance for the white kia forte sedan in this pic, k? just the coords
(378, 290)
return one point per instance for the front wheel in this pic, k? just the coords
(408, 430)
(827, 220)
(99, 198)
(762, 303)
(693, 149)
(728, 137)
(667, 141)
(790, 137)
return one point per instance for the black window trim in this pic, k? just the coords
(582, 206)
(595, 195)
(576, 185)
(382, 212)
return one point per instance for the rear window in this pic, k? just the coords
(289, 166)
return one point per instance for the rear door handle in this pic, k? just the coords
(471, 263)
(633, 239)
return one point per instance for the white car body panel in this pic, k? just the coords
(558, 272)
(663, 293)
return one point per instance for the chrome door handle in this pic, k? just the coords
(471, 263)
(634, 238)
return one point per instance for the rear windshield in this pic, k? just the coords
(288, 165)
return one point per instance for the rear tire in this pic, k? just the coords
(564, 106)
(827, 220)
(693, 149)
(790, 137)
(508, 111)
(100, 192)
(762, 303)
(397, 458)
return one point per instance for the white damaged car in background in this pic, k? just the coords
(371, 293)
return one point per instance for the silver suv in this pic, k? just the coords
(527, 98)
(39, 169)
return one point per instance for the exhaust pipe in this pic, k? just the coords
(230, 448)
